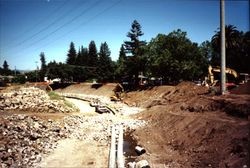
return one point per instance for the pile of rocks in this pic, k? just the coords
(100, 126)
(33, 99)
(24, 138)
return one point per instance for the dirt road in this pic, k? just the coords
(72, 152)
(77, 153)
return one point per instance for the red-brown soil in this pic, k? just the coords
(187, 126)
(190, 128)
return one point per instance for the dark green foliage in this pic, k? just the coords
(32, 76)
(134, 45)
(237, 49)
(174, 57)
(105, 68)
(67, 73)
(82, 57)
(71, 59)
(5, 70)
(43, 69)
(121, 69)
(5, 65)
(92, 55)
(135, 62)
(20, 78)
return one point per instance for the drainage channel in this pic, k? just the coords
(129, 145)
(122, 148)
(116, 158)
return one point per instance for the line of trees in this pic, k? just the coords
(172, 57)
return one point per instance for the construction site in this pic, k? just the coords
(100, 125)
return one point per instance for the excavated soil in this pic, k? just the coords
(186, 126)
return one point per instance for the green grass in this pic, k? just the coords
(54, 96)
(67, 103)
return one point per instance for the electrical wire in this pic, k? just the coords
(65, 24)
(83, 23)
(39, 22)
(53, 23)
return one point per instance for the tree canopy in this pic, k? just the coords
(237, 49)
(172, 57)
(71, 59)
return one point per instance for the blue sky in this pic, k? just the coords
(29, 27)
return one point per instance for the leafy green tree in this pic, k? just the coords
(20, 78)
(134, 47)
(174, 57)
(105, 68)
(31, 76)
(71, 59)
(92, 55)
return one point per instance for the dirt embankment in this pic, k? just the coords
(190, 128)
(90, 88)
(186, 127)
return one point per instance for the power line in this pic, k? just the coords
(83, 23)
(54, 22)
(77, 27)
(41, 21)
(65, 24)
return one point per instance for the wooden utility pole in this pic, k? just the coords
(222, 46)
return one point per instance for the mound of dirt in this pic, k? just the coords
(189, 97)
(193, 139)
(90, 88)
(190, 128)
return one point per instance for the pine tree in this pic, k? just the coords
(5, 66)
(71, 55)
(5, 70)
(84, 56)
(105, 69)
(43, 66)
(92, 55)
(134, 45)
(135, 63)
(79, 57)
(121, 63)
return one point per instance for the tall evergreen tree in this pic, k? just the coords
(134, 47)
(121, 63)
(79, 58)
(5, 65)
(105, 69)
(5, 70)
(42, 72)
(71, 54)
(85, 56)
(92, 55)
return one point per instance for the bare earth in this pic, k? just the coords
(186, 128)
(76, 153)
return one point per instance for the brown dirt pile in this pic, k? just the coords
(191, 98)
(190, 128)
(90, 88)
